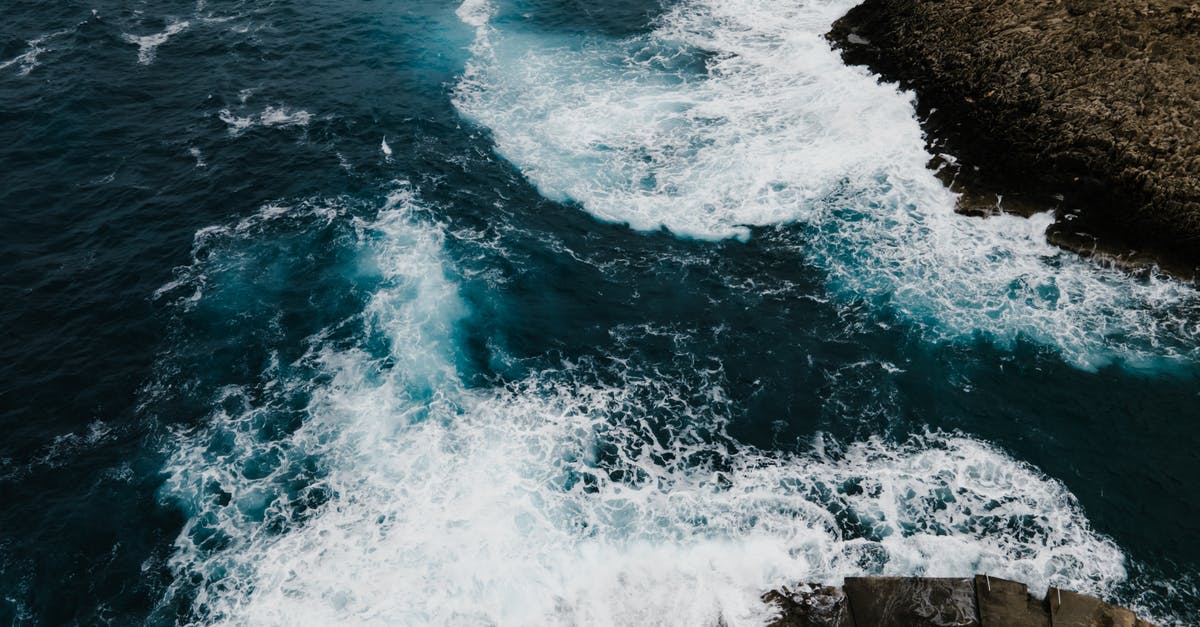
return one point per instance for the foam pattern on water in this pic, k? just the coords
(148, 44)
(28, 60)
(731, 114)
(588, 494)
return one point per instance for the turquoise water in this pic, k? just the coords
(540, 313)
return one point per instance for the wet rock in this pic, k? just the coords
(1068, 609)
(1093, 102)
(1009, 603)
(810, 606)
(910, 601)
(930, 602)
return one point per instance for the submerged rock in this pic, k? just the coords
(1091, 107)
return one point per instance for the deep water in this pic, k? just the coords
(540, 312)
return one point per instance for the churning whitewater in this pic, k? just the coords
(734, 114)
(541, 312)
(372, 480)
(595, 493)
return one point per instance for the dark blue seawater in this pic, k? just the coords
(540, 312)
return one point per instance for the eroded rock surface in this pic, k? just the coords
(810, 606)
(940, 602)
(1093, 102)
(1003, 602)
(912, 601)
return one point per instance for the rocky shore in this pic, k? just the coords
(981, 601)
(1090, 107)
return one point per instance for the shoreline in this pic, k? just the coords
(981, 601)
(1019, 103)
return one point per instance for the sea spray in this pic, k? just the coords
(731, 114)
(598, 492)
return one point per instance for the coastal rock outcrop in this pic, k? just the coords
(1089, 106)
(940, 602)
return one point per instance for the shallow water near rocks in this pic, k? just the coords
(541, 312)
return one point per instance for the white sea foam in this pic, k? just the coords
(282, 116)
(192, 280)
(28, 60)
(198, 156)
(270, 117)
(59, 451)
(735, 113)
(476, 13)
(148, 44)
(405, 497)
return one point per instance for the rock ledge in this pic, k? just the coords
(920, 601)
(1088, 106)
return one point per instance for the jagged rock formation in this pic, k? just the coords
(929, 602)
(1094, 102)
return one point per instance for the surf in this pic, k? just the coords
(728, 116)
(597, 491)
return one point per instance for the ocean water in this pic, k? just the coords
(541, 312)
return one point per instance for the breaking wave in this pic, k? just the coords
(365, 482)
(734, 114)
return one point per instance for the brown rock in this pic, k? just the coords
(1096, 102)
(911, 601)
(809, 606)
(932, 602)
(1005, 603)
(1068, 609)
